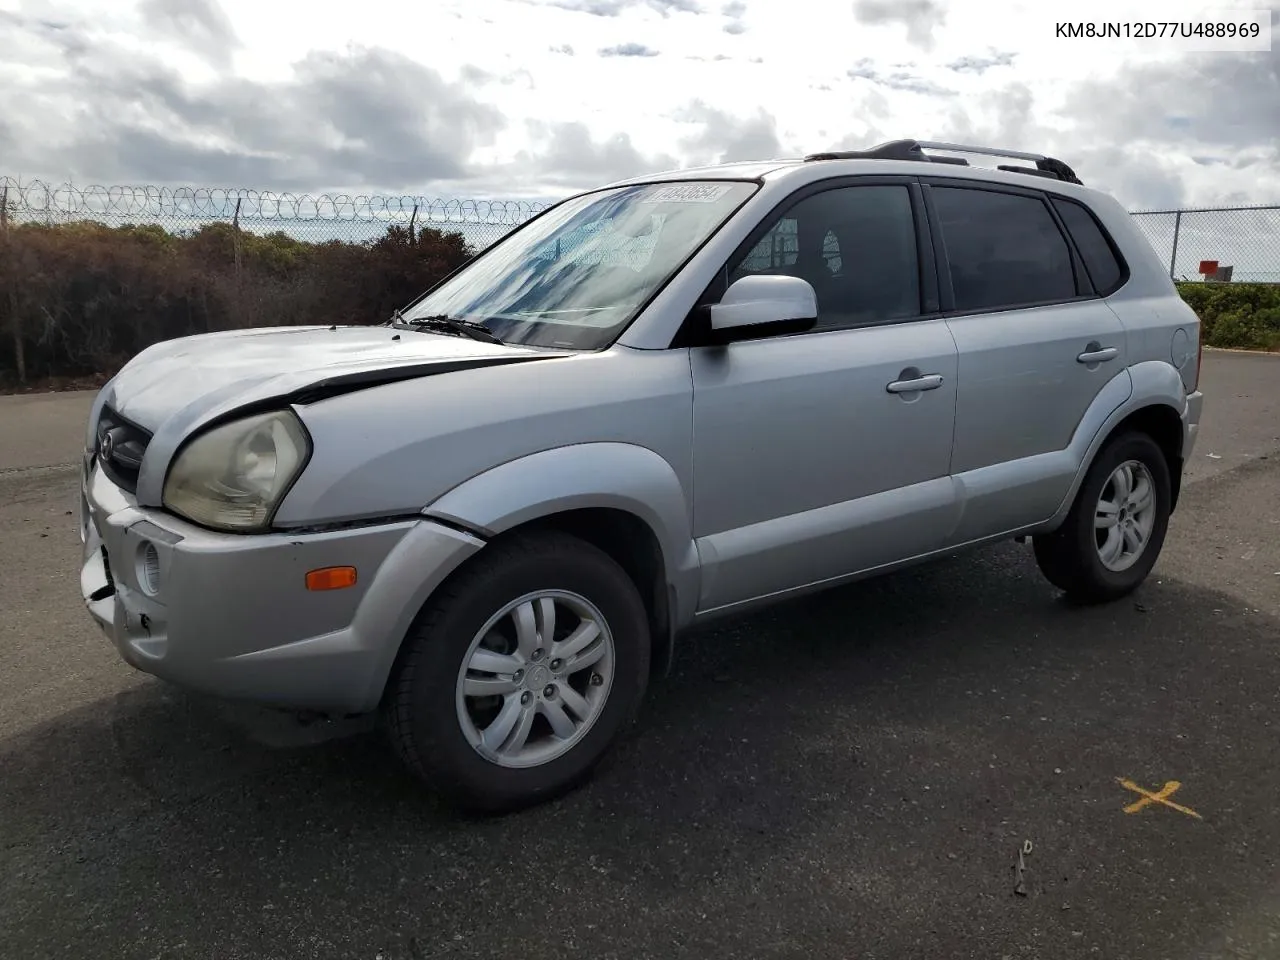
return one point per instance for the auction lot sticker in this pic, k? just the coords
(688, 193)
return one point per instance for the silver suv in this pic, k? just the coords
(669, 399)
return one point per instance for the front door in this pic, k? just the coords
(826, 453)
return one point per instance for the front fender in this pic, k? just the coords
(1151, 383)
(620, 476)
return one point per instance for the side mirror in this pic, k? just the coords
(787, 304)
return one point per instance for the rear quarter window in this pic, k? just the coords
(1101, 260)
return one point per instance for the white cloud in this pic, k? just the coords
(521, 97)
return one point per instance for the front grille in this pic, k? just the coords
(121, 445)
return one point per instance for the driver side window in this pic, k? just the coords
(855, 245)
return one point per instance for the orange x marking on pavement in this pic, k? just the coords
(1148, 798)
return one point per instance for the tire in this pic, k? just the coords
(434, 725)
(1071, 558)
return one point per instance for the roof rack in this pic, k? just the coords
(914, 150)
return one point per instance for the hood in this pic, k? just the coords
(176, 386)
(235, 368)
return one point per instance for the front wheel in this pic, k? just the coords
(1113, 535)
(521, 674)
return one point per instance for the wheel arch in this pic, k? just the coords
(622, 498)
(1163, 424)
(632, 543)
(1155, 405)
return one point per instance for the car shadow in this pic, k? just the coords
(847, 770)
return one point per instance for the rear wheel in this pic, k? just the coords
(1113, 535)
(521, 674)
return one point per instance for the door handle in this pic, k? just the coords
(1096, 353)
(930, 382)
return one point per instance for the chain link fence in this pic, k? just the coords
(1246, 239)
(90, 275)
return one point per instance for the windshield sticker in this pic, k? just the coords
(688, 193)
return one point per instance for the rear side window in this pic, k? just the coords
(1097, 252)
(1004, 249)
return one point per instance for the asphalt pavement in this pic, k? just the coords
(850, 775)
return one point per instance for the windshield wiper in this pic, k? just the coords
(447, 324)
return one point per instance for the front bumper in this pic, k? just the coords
(231, 615)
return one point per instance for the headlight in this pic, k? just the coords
(234, 476)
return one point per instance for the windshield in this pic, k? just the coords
(577, 275)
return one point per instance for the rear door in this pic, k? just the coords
(1036, 346)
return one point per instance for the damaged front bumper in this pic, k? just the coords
(231, 615)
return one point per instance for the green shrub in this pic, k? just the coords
(88, 296)
(1243, 316)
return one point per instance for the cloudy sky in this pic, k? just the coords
(537, 98)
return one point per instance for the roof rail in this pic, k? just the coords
(914, 150)
(980, 151)
(892, 150)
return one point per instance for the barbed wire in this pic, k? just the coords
(39, 199)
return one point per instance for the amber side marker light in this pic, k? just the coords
(331, 578)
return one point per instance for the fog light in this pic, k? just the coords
(149, 568)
